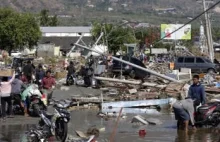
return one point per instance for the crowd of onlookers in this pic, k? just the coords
(11, 87)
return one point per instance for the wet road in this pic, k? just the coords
(13, 130)
(126, 132)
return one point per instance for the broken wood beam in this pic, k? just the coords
(131, 82)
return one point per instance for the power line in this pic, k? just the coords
(188, 22)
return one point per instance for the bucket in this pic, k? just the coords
(142, 133)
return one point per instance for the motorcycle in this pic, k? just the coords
(53, 124)
(208, 115)
(36, 100)
(36, 104)
(71, 80)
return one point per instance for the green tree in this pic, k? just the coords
(114, 36)
(18, 30)
(46, 20)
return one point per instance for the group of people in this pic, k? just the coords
(11, 88)
(184, 110)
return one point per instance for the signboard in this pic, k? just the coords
(182, 34)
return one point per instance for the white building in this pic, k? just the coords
(65, 31)
(65, 37)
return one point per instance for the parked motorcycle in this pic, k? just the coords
(53, 124)
(36, 100)
(36, 104)
(71, 80)
(208, 115)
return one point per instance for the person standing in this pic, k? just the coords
(5, 90)
(28, 71)
(16, 88)
(71, 69)
(48, 84)
(91, 61)
(197, 92)
(39, 74)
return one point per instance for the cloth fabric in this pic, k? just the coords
(32, 89)
(197, 92)
(48, 82)
(184, 110)
(181, 114)
(16, 86)
(5, 87)
(5, 100)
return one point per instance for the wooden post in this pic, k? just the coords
(115, 128)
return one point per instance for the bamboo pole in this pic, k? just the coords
(112, 137)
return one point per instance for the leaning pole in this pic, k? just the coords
(133, 65)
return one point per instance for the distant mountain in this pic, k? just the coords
(85, 11)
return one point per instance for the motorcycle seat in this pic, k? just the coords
(48, 115)
(205, 107)
(68, 101)
(62, 105)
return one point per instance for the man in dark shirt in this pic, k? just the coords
(197, 92)
(28, 71)
(39, 74)
(70, 69)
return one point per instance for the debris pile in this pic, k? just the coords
(162, 68)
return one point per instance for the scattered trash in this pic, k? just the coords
(142, 133)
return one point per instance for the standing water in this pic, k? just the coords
(126, 131)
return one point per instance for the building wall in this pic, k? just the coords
(65, 43)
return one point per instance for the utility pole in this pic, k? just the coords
(208, 32)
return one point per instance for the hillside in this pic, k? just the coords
(74, 12)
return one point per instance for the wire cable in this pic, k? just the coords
(188, 22)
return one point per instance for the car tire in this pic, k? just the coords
(211, 71)
(132, 74)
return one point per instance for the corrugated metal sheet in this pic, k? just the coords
(139, 103)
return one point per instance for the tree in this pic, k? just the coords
(18, 30)
(114, 36)
(46, 20)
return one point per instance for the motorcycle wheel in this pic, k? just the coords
(61, 130)
(36, 109)
(70, 81)
(216, 119)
